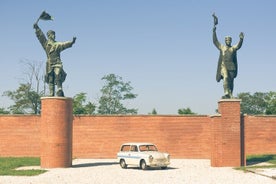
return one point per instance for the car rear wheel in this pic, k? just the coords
(143, 165)
(123, 164)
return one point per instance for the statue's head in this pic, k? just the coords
(51, 34)
(228, 40)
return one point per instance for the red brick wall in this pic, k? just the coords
(19, 135)
(260, 134)
(101, 136)
(226, 136)
(181, 136)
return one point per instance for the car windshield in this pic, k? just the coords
(147, 148)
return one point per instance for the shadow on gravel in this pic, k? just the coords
(152, 168)
(94, 164)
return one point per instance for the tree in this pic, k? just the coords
(271, 103)
(258, 103)
(27, 96)
(185, 111)
(4, 111)
(26, 100)
(81, 106)
(114, 93)
(153, 112)
(34, 76)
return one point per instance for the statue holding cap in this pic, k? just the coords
(55, 75)
(227, 68)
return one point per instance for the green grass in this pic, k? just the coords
(9, 164)
(252, 160)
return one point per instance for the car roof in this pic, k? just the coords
(138, 143)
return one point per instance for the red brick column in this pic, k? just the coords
(226, 135)
(56, 132)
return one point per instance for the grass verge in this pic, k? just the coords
(255, 159)
(259, 161)
(9, 164)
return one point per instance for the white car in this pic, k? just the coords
(142, 155)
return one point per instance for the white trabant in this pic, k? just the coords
(142, 155)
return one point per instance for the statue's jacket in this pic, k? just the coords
(53, 50)
(227, 57)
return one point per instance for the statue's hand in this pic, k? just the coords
(35, 26)
(215, 19)
(74, 40)
(241, 35)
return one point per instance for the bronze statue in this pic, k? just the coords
(227, 68)
(55, 75)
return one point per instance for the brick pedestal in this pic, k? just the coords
(56, 132)
(226, 135)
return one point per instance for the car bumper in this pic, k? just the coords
(159, 164)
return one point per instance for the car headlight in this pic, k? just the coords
(150, 158)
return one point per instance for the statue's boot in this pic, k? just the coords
(59, 89)
(227, 93)
(52, 89)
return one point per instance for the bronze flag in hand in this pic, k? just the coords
(45, 16)
(215, 19)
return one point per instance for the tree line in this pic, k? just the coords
(114, 93)
(27, 96)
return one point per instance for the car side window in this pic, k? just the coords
(125, 148)
(147, 148)
(134, 148)
(143, 148)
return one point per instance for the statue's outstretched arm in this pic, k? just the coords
(68, 44)
(40, 35)
(215, 39)
(74, 40)
(238, 46)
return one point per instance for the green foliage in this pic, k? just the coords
(185, 111)
(114, 93)
(271, 103)
(9, 164)
(258, 103)
(154, 112)
(4, 111)
(27, 96)
(25, 100)
(81, 106)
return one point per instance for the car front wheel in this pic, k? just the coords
(123, 164)
(143, 165)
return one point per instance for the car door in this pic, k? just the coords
(133, 155)
(125, 152)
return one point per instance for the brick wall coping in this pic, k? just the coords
(230, 100)
(19, 115)
(215, 115)
(259, 115)
(111, 115)
(55, 97)
(137, 115)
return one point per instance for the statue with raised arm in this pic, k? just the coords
(55, 75)
(227, 68)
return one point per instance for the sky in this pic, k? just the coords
(164, 48)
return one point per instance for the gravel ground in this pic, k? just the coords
(108, 171)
